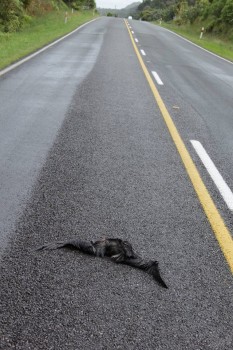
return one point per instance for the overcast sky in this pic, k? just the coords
(119, 4)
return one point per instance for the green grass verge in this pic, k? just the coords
(217, 45)
(41, 31)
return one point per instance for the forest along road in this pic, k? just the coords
(85, 152)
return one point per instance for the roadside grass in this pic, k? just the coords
(218, 45)
(39, 32)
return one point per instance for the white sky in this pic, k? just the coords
(111, 4)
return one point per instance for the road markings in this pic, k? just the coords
(15, 65)
(132, 32)
(136, 40)
(214, 173)
(157, 78)
(221, 232)
(143, 52)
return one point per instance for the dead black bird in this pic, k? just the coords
(118, 250)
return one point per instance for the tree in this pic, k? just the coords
(227, 12)
(11, 15)
(77, 4)
(26, 3)
(216, 7)
(216, 14)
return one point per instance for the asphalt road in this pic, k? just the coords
(85, 151)
(34, 99)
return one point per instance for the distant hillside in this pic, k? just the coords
(104, 12)
(129, 10)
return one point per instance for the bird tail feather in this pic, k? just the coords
(154, 271)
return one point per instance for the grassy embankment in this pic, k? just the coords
(218, 45)
(39, 32)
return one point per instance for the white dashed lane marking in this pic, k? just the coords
(214, 174)
(157, 78)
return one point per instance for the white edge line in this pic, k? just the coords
(214, 173)
(202, 48)
(157, 78)
(143, 52)
(29, 57)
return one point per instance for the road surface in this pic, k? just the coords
(85, 151)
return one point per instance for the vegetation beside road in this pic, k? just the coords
(188, 17)
(217, 15)
(211, 42)
(39, 28)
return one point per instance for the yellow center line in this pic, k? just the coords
(221, 232)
